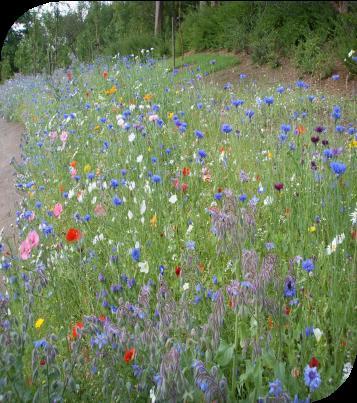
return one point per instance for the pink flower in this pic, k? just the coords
(73, 172)
(53, 135)
(57, 210)
(33, 239)
(99, 210)
(25, 249)
(152, 118)
(64, 137)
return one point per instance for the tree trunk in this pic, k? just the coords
(158, 17)
(340, 6)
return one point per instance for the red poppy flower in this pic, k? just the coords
(184, 187)
(42, 362)
(279, 186)
(102, 318)
(73, 235)
(78, 325)
(314, 362)
(129, 355)
(105, 74)
(186, 171)
(178, 270)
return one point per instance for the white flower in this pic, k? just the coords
(71, 194)
(131, 137)
(104, 185)
(186, 286)
(189, 229)
(142, 207)
(173, 199)
(152, 395)
(92, 186)
(130, 215)
(318, 333)
(347, 368)
(144, 267)
(131, 185)
(132, 107)
(351, 53)
(139, 158)
(268, 201)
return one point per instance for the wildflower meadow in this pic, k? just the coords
(179, 241)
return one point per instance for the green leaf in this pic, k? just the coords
(224, 354)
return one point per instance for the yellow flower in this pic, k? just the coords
(111, 91)
(353, 144)
(97, 127)
(170, 115)
(39, 323)
(269, 155)
(149, 148)
(312, 228)
(153, 220)
(87, 168)
(148, 97)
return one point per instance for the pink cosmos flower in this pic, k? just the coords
(57, 210)
(64, 136)
(152, 118)
(33, 239)
(25, 249)
(53, 135)
(73, 172)
(99, 210)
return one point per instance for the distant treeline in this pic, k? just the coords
(313, 34)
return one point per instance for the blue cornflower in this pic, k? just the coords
(156, 178)
(242, 76)
(87, 218)
(311, 98)
(202, 154)
(101, 340)
(38, 204)
(301, 84)
(237, 102)
(269, 100)
(249, 113)
(280, 90)
(40, 343)
(328, 153)
(135, 254)
(226, 128)
(336, 112)
(197, 299)
(275, 388)
(340, 129)
(285, 128)
(243, 197)
(227, 86)
(117, 201)
(199, 134)
(123, 172)
(218, 196)
(282, 137)
(190, 245)
(101, 277)
(199, 105)
(312, 378)
(308, 265)
(114, 183)
(338, 167)
(137, 371)
(309, 331)
(335, 77)
(215, 280)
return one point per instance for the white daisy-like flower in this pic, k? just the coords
(186, 286)
(131, 137)
(144, 267)
(139, 158)
(142, 207)
(173, 199)
(130, 215)
(268, 201)
(318, 334)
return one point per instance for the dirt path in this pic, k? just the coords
(10, 138)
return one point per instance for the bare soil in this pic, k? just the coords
(286, 74)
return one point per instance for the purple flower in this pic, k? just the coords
(275, 388)
(226, 128)
(289, 288)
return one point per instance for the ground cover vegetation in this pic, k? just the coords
(178, 241)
